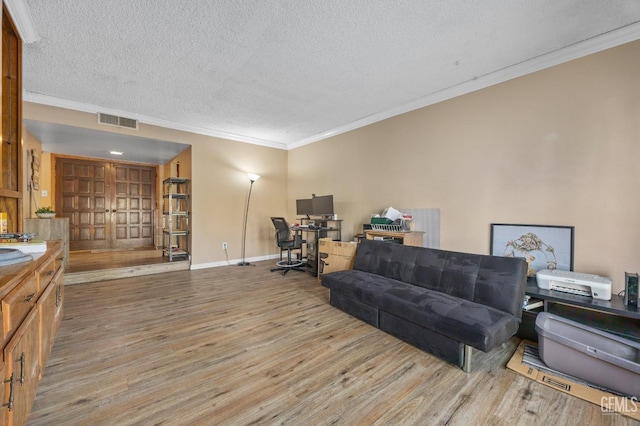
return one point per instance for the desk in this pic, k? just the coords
(313, 235)
(407, 238)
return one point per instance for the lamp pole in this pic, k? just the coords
(252, 177)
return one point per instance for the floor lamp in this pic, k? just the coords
(252, 177)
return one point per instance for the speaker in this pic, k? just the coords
(631, 289)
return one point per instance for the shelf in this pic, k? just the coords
(174, 232)
(175, 200)
(612, 316)
(175, 180)
(176, 252)
(614, 306)
(407, 238)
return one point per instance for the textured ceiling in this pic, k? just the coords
(285, 73)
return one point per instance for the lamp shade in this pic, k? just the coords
(253, 177)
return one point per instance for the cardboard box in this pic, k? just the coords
(340, 248)
(336, 255)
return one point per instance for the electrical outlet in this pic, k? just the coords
(224, 246)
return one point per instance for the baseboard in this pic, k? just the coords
(232, 262)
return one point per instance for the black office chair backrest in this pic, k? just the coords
(283, 232)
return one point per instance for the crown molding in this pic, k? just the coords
(167, 124)
(22, 19)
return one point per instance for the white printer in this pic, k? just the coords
(575, 282)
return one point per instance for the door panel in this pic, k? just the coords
(134, 203)
(109, 205)
(81, 195)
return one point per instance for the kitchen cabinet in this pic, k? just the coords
(31, 301)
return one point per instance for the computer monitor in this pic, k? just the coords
(322, 205)
(304, 207)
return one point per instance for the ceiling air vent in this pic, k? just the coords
(114, 120)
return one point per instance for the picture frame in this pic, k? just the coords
(542, 246)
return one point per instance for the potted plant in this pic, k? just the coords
(45, 212)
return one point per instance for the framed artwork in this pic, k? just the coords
(542, 246)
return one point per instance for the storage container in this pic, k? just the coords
(593, 355)
(381, 221)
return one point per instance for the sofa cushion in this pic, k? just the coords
(473, 324)
(363, 286)
(482, 327)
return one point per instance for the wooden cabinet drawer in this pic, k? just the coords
(46, 272)
(17, 304)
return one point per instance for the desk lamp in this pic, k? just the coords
(252, 177)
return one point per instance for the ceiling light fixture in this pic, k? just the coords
(116, 152)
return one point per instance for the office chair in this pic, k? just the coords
(286, 242)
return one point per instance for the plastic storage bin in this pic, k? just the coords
(381, 221)
(595, 356)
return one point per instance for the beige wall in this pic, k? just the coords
(556, 147)
(31, 200)
(220, 186)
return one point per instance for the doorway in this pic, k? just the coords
(110, 205)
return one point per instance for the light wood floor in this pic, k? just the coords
(88, 260)
(241, 345)
(90, 266)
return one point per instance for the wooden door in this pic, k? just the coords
(109, 205)
(132, 205)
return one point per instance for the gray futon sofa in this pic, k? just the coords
(443, 302)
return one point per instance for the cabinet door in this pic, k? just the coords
(21, 361)
(5, 393)
(50, 315)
